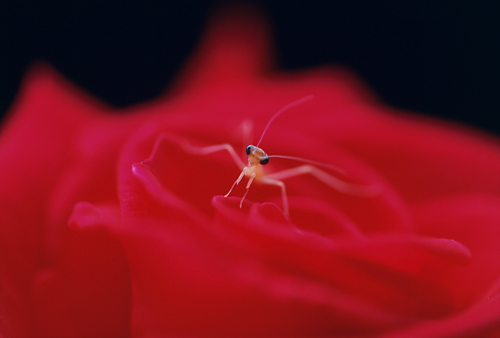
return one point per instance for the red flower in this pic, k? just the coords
(111, 228)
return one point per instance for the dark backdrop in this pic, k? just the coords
(438, 58)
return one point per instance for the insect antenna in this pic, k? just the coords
(300, 159)
(281, 111)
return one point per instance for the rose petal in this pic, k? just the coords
(480, 321)
(235, 48)
(209, 285)
(375, 269)
(444, 159)
(473, 221)
(341, 265)
(85, 292)
(36, 148)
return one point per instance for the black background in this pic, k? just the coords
(438, 58)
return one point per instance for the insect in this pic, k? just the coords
(257, 158)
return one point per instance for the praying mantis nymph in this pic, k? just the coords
(257, 157)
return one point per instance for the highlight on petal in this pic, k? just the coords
(493, 292)
(89, 216)
(447, 249)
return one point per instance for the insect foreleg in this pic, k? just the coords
(243, 172)
(250, 180)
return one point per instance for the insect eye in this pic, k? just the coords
(265, 160)
(249, 149)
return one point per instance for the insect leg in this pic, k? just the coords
(331, 181)
(272, 181)
(243, 172)
(212, 149)
(250, 180)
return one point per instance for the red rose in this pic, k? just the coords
(111, 228)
